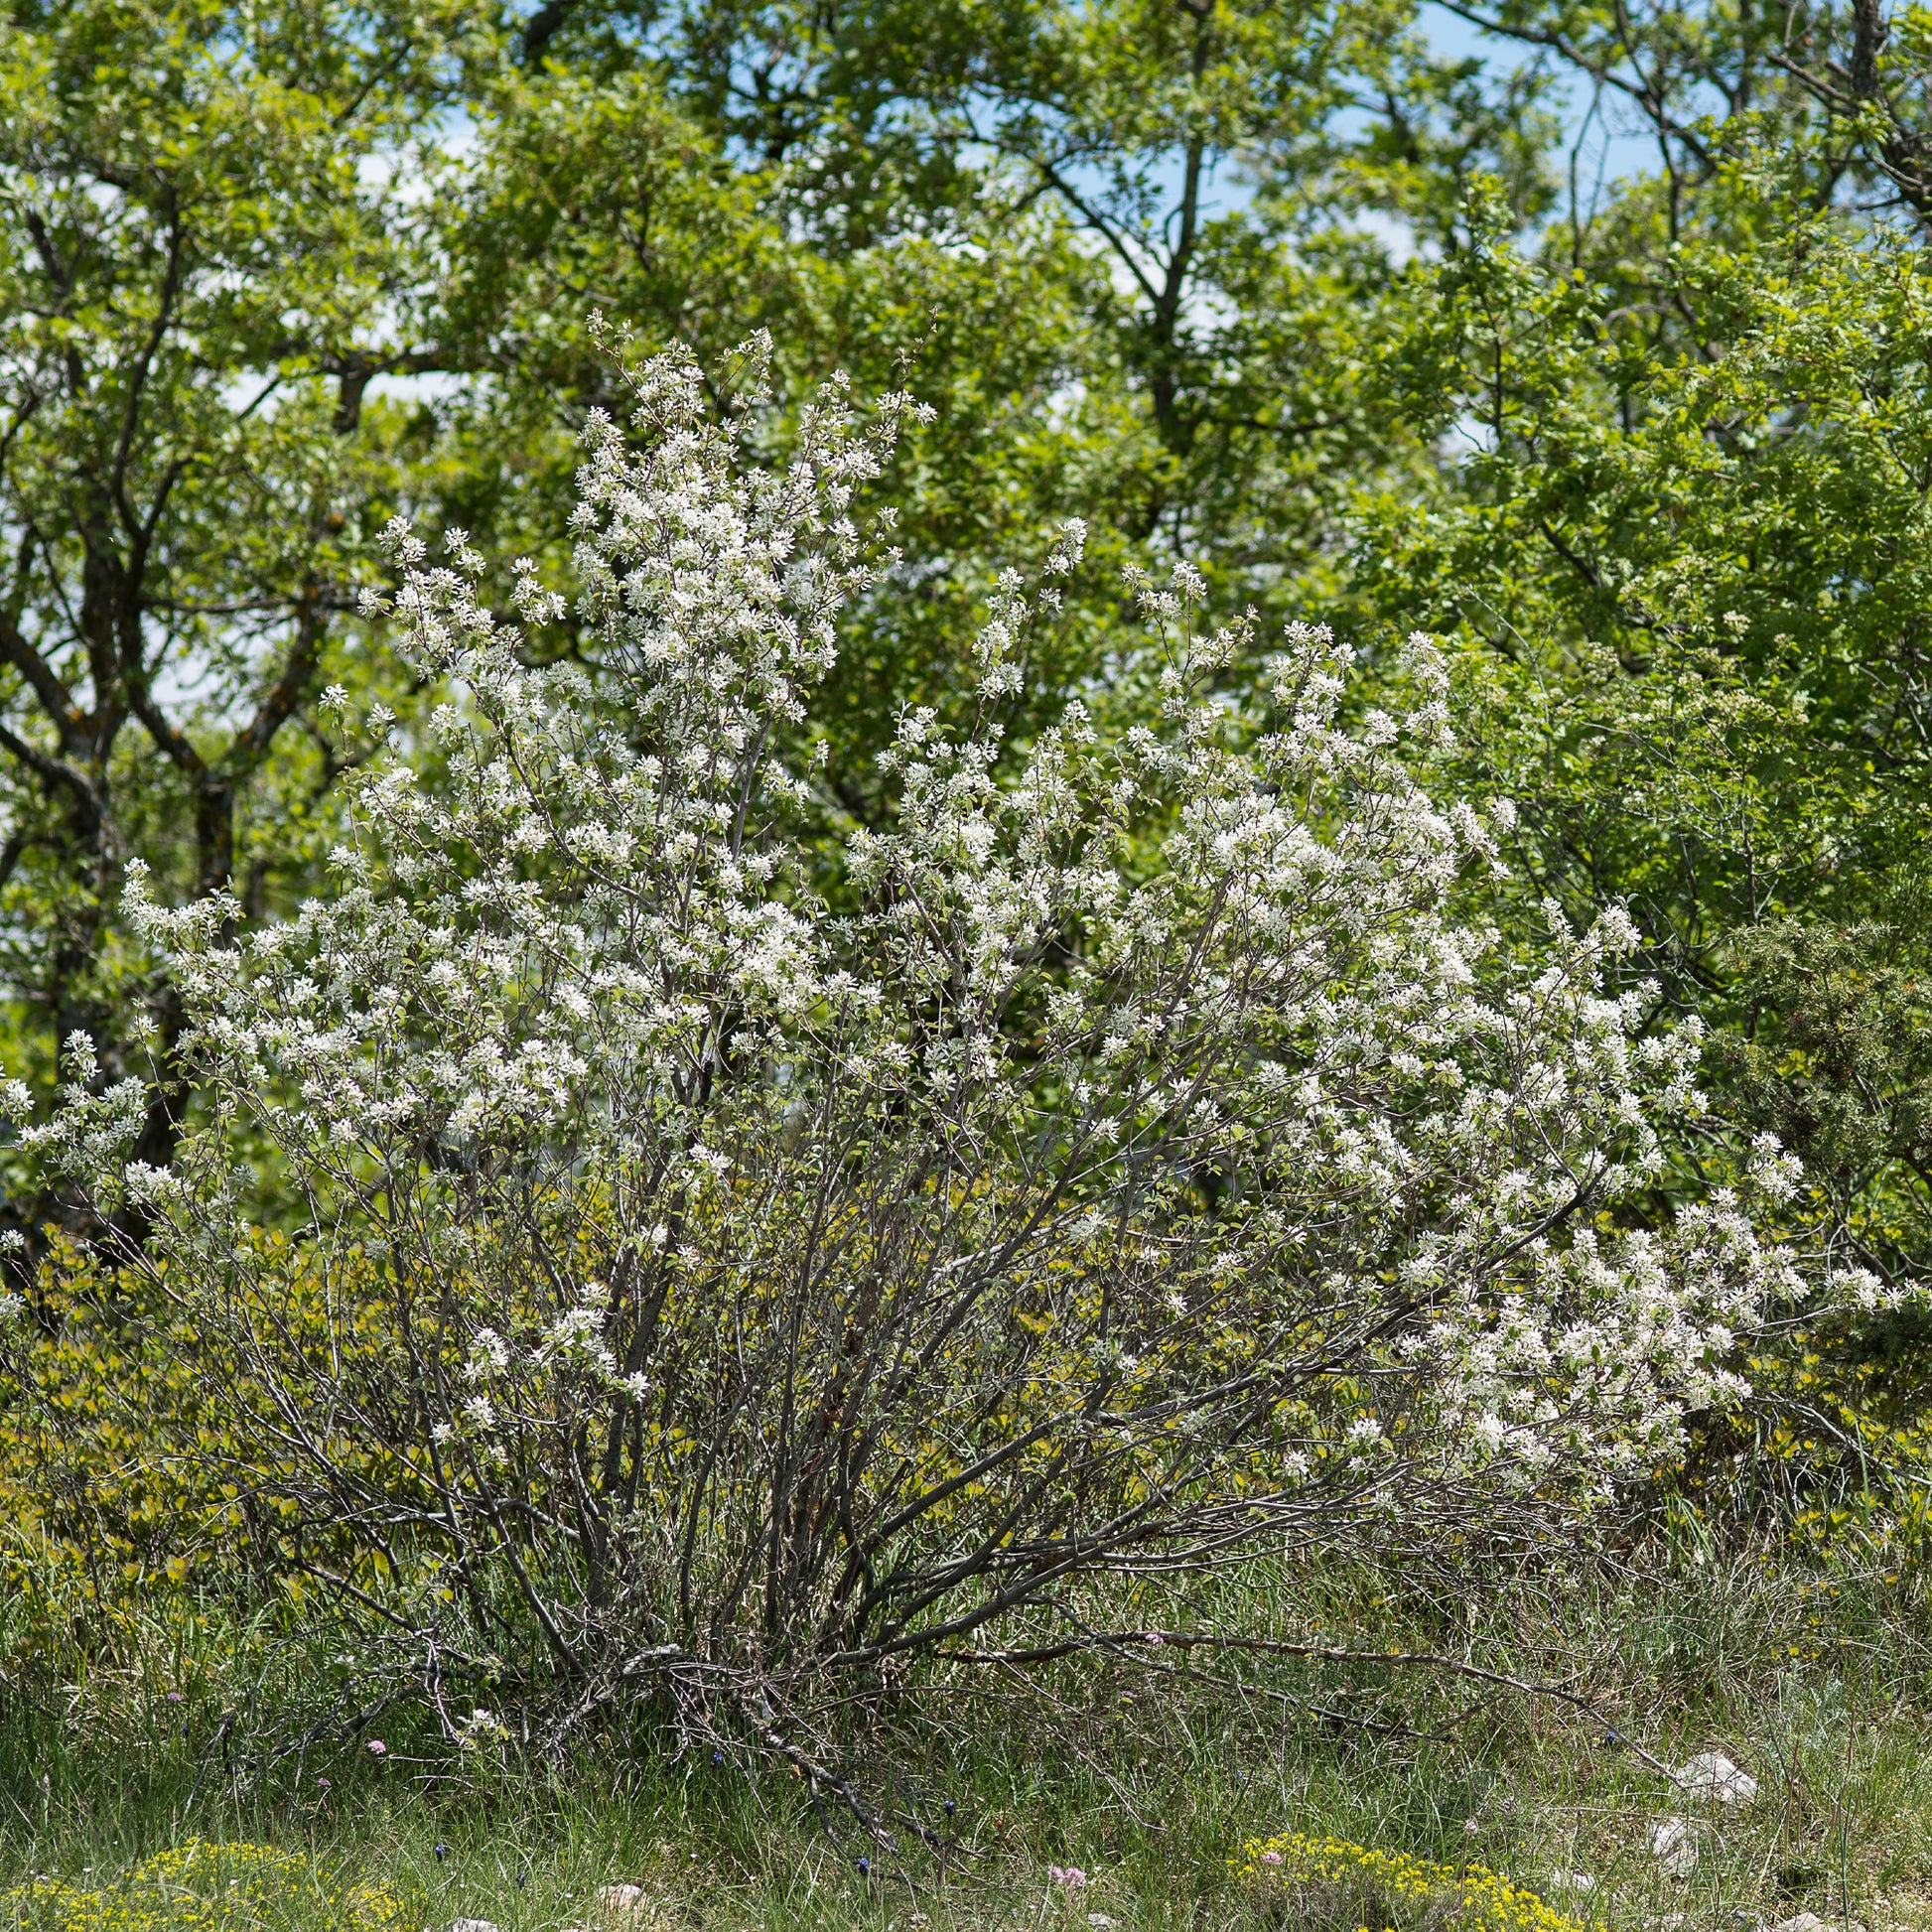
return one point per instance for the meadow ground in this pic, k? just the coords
(1150, 1783)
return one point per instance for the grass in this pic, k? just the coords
(1816, 1684)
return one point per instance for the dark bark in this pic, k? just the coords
(543, 26)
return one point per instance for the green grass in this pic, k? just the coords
(1819, 1685)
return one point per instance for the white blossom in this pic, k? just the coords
(727, 1188)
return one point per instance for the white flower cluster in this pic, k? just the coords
(1128, 1141)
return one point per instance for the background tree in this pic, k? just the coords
(1692, 570)
(1841, 89)
(203, 261)
(1116, 244)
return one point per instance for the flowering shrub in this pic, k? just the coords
(731, 1250)
(200, 1886)
(1328, 1883)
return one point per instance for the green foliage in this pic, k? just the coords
(1837, 87)
(202, 242)
(1690, 565)
(1697, 571)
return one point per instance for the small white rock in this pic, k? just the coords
(1811, 1922)
(626, 1908)
(1100, 1922)
(472, 1926)
(1711, 1774)
(1673, 1847)
(1572, 1881)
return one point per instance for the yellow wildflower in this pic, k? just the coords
(1405, 1889)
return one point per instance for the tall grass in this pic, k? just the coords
(1816, 1680)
